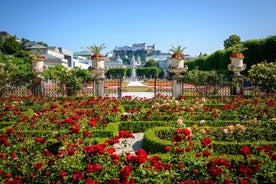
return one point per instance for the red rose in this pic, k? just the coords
(245, 151)
(125, 172)
(206, 142)
(63, 173)
(38, 165)
(168, 148)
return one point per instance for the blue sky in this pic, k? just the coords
(199, 25)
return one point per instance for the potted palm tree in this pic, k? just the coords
(236, 56)
(177, 56)
(97, 58)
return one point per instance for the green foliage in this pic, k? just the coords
(96, 49)
(116, 72)
(151, 63)
(14, 72)
(233, 148)
(231, 41)
(238, 48)
(72, 79)
(257, 51)
(11, 46)
(210, 79)
(140, 126)
(1, 44)
(149, 72)
(178, 50)
(270, 48)
(110, 131)
(128, 72)
(152, 143)
(263, 74)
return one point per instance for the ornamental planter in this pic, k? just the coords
(98, 74)
(237, 61)
(177, 67)
(177, 62)
(236, 65)
(37, 65)
(98, 62)
(37, 68)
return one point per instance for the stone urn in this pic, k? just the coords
(98, 61)
(37, 69)
(177, 62)
(237, 64)
(177, 65)
(37, 64)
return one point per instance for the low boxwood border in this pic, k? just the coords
(152, 143)
(140, 126)
(221, 147)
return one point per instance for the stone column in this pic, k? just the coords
(37, 69)
(177, 67)
(237, 66)
(98, 75)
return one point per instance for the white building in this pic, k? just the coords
(82, 62)
(121, 51)
(54, 55)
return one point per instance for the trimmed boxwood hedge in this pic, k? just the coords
(5, 125)
(140, 126)
(234, 147)
(152, 143)
(110, 131)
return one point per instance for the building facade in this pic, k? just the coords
(122, 51)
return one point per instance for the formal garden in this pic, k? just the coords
(204, 137)
(188, 140)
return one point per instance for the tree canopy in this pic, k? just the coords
(11, 45)
(231, 41)
(151, 63)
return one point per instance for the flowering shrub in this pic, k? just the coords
(54, 143)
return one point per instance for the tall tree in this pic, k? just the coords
(1, 43)
(151, 63)
(11, 45)
(231, 41)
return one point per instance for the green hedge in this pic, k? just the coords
(140, 126)
(110, 131)
(5, 125)
(258, 50)
(234, 147)
(152, 143)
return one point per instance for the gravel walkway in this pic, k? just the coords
(129, 144)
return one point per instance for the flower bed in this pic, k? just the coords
(196, 140)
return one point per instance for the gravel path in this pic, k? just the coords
(129, 144)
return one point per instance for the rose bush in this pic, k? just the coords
(53, 144)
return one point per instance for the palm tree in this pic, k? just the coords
(96, 50)
(177, 52)
(237, 50)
